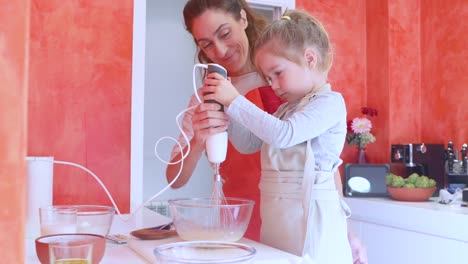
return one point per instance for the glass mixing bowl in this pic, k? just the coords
(67, 219)
(211, 219)
(206, 252)
(94, 219)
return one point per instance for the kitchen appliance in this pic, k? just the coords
(456, 168)
(216, 145)
(39, 191)
(365, 180)
(421, 158)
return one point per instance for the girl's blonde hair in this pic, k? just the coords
(292, 34)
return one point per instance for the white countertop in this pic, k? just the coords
(430, 217)
(140, 251)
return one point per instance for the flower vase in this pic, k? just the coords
(362, 159)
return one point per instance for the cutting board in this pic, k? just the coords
(265, 254)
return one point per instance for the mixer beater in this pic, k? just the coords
(223, 214)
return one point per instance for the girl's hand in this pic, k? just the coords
(358, 249)
(208, 120)
(219, 89)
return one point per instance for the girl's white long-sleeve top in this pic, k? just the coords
(322, 120)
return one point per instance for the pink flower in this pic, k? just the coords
(361, 125)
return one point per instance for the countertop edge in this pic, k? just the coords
(423, 217)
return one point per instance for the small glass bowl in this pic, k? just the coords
(206, 252)
(94, 219)
(58, 219)
(42, 245)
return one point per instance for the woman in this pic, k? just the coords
(225, 31)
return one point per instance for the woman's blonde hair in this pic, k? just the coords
(292, 34)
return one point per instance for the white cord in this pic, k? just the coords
(194, 79)
(184, 155)
(96, 178)
(176, 141)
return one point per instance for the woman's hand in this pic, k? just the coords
(219, 89)
(208, 120)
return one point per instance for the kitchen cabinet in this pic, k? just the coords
(410, 232)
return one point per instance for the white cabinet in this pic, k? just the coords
(389, 242)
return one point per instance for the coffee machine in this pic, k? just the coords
(424, 159)
(456, 167)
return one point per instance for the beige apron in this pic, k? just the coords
(301, 210)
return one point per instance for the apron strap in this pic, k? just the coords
(308, 180)
(345, 208)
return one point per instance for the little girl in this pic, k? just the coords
(301, 210)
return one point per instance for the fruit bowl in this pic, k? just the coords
(211, 219)
(410, 194)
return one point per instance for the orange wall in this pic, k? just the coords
(80, 95)
(13, 97)
(444, 75)
(404, 67)
(404, 58)
(345, 22)
(377, 87)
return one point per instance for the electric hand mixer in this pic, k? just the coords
(216, 145)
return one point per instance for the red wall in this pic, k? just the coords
(444, 75)
(80, 94)
(345, 22)
(14, 33)
(378, 87)
(404, 58)
(404, 67)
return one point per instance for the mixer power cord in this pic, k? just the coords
(154, 196)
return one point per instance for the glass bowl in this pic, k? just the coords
(94, 219)
(42, 245)
(211, 219)
(206, 252)
(58, 219)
